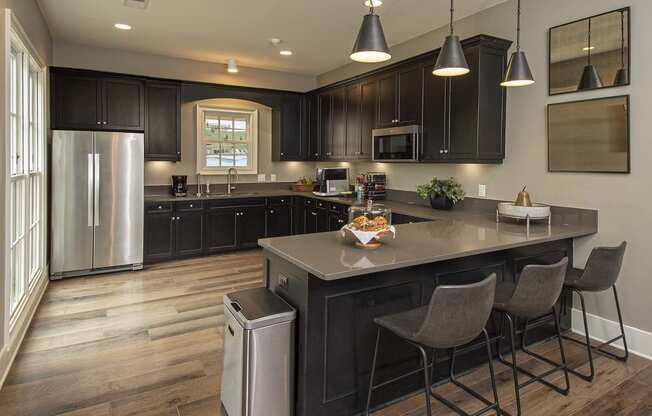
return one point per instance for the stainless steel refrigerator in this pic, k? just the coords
(97, 202)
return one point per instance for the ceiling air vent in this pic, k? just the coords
(138, 4)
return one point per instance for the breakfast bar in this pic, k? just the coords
(338, 289)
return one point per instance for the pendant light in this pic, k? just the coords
(451, 61)
(621, 74)
(518, 72)
(370, 45)
(590, 77)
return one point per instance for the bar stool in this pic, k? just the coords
(533, 297)
(600, 274)
(455, 316)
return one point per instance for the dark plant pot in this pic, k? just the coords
(441, 202)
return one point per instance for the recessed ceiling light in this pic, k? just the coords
(373, 3)
(286, 52)
(122, 26)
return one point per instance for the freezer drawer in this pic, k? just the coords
(258, 372)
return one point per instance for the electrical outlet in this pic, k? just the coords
(283, 282)
(262, 177)
(482, 191)
(272, 177)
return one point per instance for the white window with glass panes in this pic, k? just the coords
(26, 172)
(226, 138)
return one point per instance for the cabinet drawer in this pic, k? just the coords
(159, 207)
(280, 200)
(239, 202)
(189, 206)
(338, 208)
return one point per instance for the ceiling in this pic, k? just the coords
(320, 33)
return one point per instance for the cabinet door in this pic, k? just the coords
(353, 101)
(159, 235)
(491, 140)
(312, 117)
(189, 232)
(310, 220)
(322, 220)
(77, 101)
(123, 104)
(251, 226)
(162, 121)
(279, 221)
(387, 100)
(435, 100)
(368, 116)
(463, 115)
(326, 124)
(409, 95)
(338, 142)
(335, 221)
(221, 229)
(291, 146)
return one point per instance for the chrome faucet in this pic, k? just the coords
(198, 185)
(230, 174)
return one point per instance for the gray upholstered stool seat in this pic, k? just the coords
(455, 316)
(601, 273)
(532, 298)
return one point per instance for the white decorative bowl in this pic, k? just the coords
(535, 212)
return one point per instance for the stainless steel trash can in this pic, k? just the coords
(258, 372)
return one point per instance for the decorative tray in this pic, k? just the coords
(535, 212)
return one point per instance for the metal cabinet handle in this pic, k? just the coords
(160, 207)
(271, 211)
(99, 122)
(445, 150)
(105, 123)
(314, 214)
(96, 201)
(90, 190)
(441, 151)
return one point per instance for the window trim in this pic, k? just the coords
(252, 113)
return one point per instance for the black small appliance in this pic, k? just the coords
(179, 185)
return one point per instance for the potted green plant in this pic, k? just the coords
(443, 193)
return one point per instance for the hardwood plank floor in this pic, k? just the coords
(150, 343)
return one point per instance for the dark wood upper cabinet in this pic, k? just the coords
(312, 128)
(86, 100)
(338, 141)
(409, 96)
(463, 111)
(387, 100)
(291, 142)
(368, 115)
(123, 104)
(353, 101)
(163, 121)
(326, 124)
(434, 133)
(492, 100)
(76, 101)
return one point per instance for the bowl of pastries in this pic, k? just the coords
(368, 225)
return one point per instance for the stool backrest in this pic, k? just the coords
(603, 267)
(538, 289)
(457, 314)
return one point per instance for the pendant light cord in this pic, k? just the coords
(518, 26)
(451, 22)
(589, 45)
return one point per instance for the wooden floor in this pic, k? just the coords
(150, 343)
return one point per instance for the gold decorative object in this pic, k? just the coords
(523, 199)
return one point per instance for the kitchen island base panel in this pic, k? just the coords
(336, 334)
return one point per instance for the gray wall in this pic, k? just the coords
(135, 63)
(623, 200)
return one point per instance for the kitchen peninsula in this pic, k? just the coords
(339, 289)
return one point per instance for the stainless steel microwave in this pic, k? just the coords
(396, 144)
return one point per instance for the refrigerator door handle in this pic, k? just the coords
(96, 192)
(90, 190)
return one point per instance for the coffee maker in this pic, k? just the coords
(179, 185)
(332, 181)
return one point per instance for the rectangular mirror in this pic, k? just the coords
(589, 136)
(589, 54)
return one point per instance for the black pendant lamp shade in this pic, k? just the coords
(451, 61)
(370, 45)
(621, 77)
(590, 76)
(518, 72)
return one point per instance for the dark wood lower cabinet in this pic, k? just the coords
(221, 229)
(279, 221)
(251, 225)
(159, 232)
(189, 230)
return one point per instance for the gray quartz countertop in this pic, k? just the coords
(450, 235)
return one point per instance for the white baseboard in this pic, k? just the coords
(639, 342)
(8, 354)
